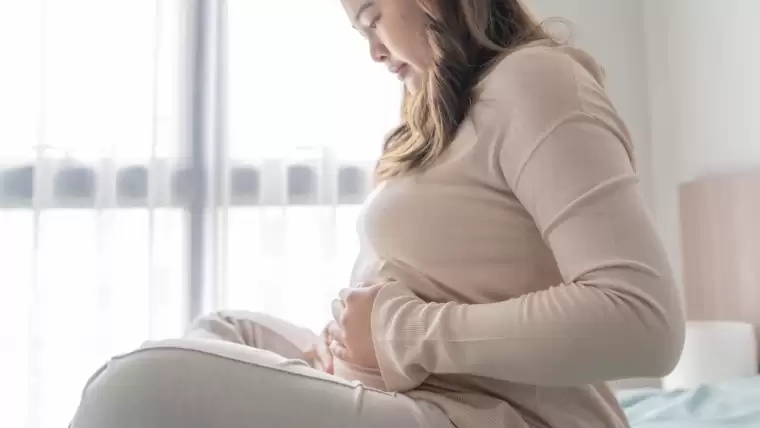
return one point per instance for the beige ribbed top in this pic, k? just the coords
(524, 269)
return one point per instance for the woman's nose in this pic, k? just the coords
(377, 50)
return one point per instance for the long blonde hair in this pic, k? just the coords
(466, 37)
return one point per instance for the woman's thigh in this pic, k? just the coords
(201, 384)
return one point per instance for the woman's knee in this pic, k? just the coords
(132, 390)
(184, 383)
(176, 383)
(216, 384)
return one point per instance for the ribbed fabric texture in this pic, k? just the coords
(523, 270)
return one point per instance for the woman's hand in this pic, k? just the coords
(320, 353)
(356, 346)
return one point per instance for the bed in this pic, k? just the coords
(730, 404)
(720, 247)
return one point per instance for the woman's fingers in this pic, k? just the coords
(323, 354)
(339, 351)
(335, 332)
(320, 357)
(325, 358)
(348, 336)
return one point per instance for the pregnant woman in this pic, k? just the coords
(509, 267)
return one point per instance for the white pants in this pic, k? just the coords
(238, 370)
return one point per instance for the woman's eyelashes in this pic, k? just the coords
(364, 30)
(373, 23)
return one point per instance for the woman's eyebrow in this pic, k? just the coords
(362, 8)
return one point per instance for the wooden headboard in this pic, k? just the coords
(720, 237)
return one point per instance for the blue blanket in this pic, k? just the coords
(734, 404)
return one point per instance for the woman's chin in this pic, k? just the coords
(411, 84)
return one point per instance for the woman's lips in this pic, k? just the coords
(401, 71)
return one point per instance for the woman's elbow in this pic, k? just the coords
(668, 347)
(661, 339)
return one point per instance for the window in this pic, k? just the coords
(90, 237)
(308, 111)
(94, 179)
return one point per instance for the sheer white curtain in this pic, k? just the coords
(91, 231)
(99, 206)
(307, 112)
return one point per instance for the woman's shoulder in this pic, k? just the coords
(545, 53)
(542, 73)
(531, 91)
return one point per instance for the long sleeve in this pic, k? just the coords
(617, 312)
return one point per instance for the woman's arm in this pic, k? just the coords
(616, 315)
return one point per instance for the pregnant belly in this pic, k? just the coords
(368, 377)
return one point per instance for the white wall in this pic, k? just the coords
(704, 83)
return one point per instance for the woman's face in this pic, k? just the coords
(395, 30)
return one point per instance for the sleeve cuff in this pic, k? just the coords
(397, 333)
